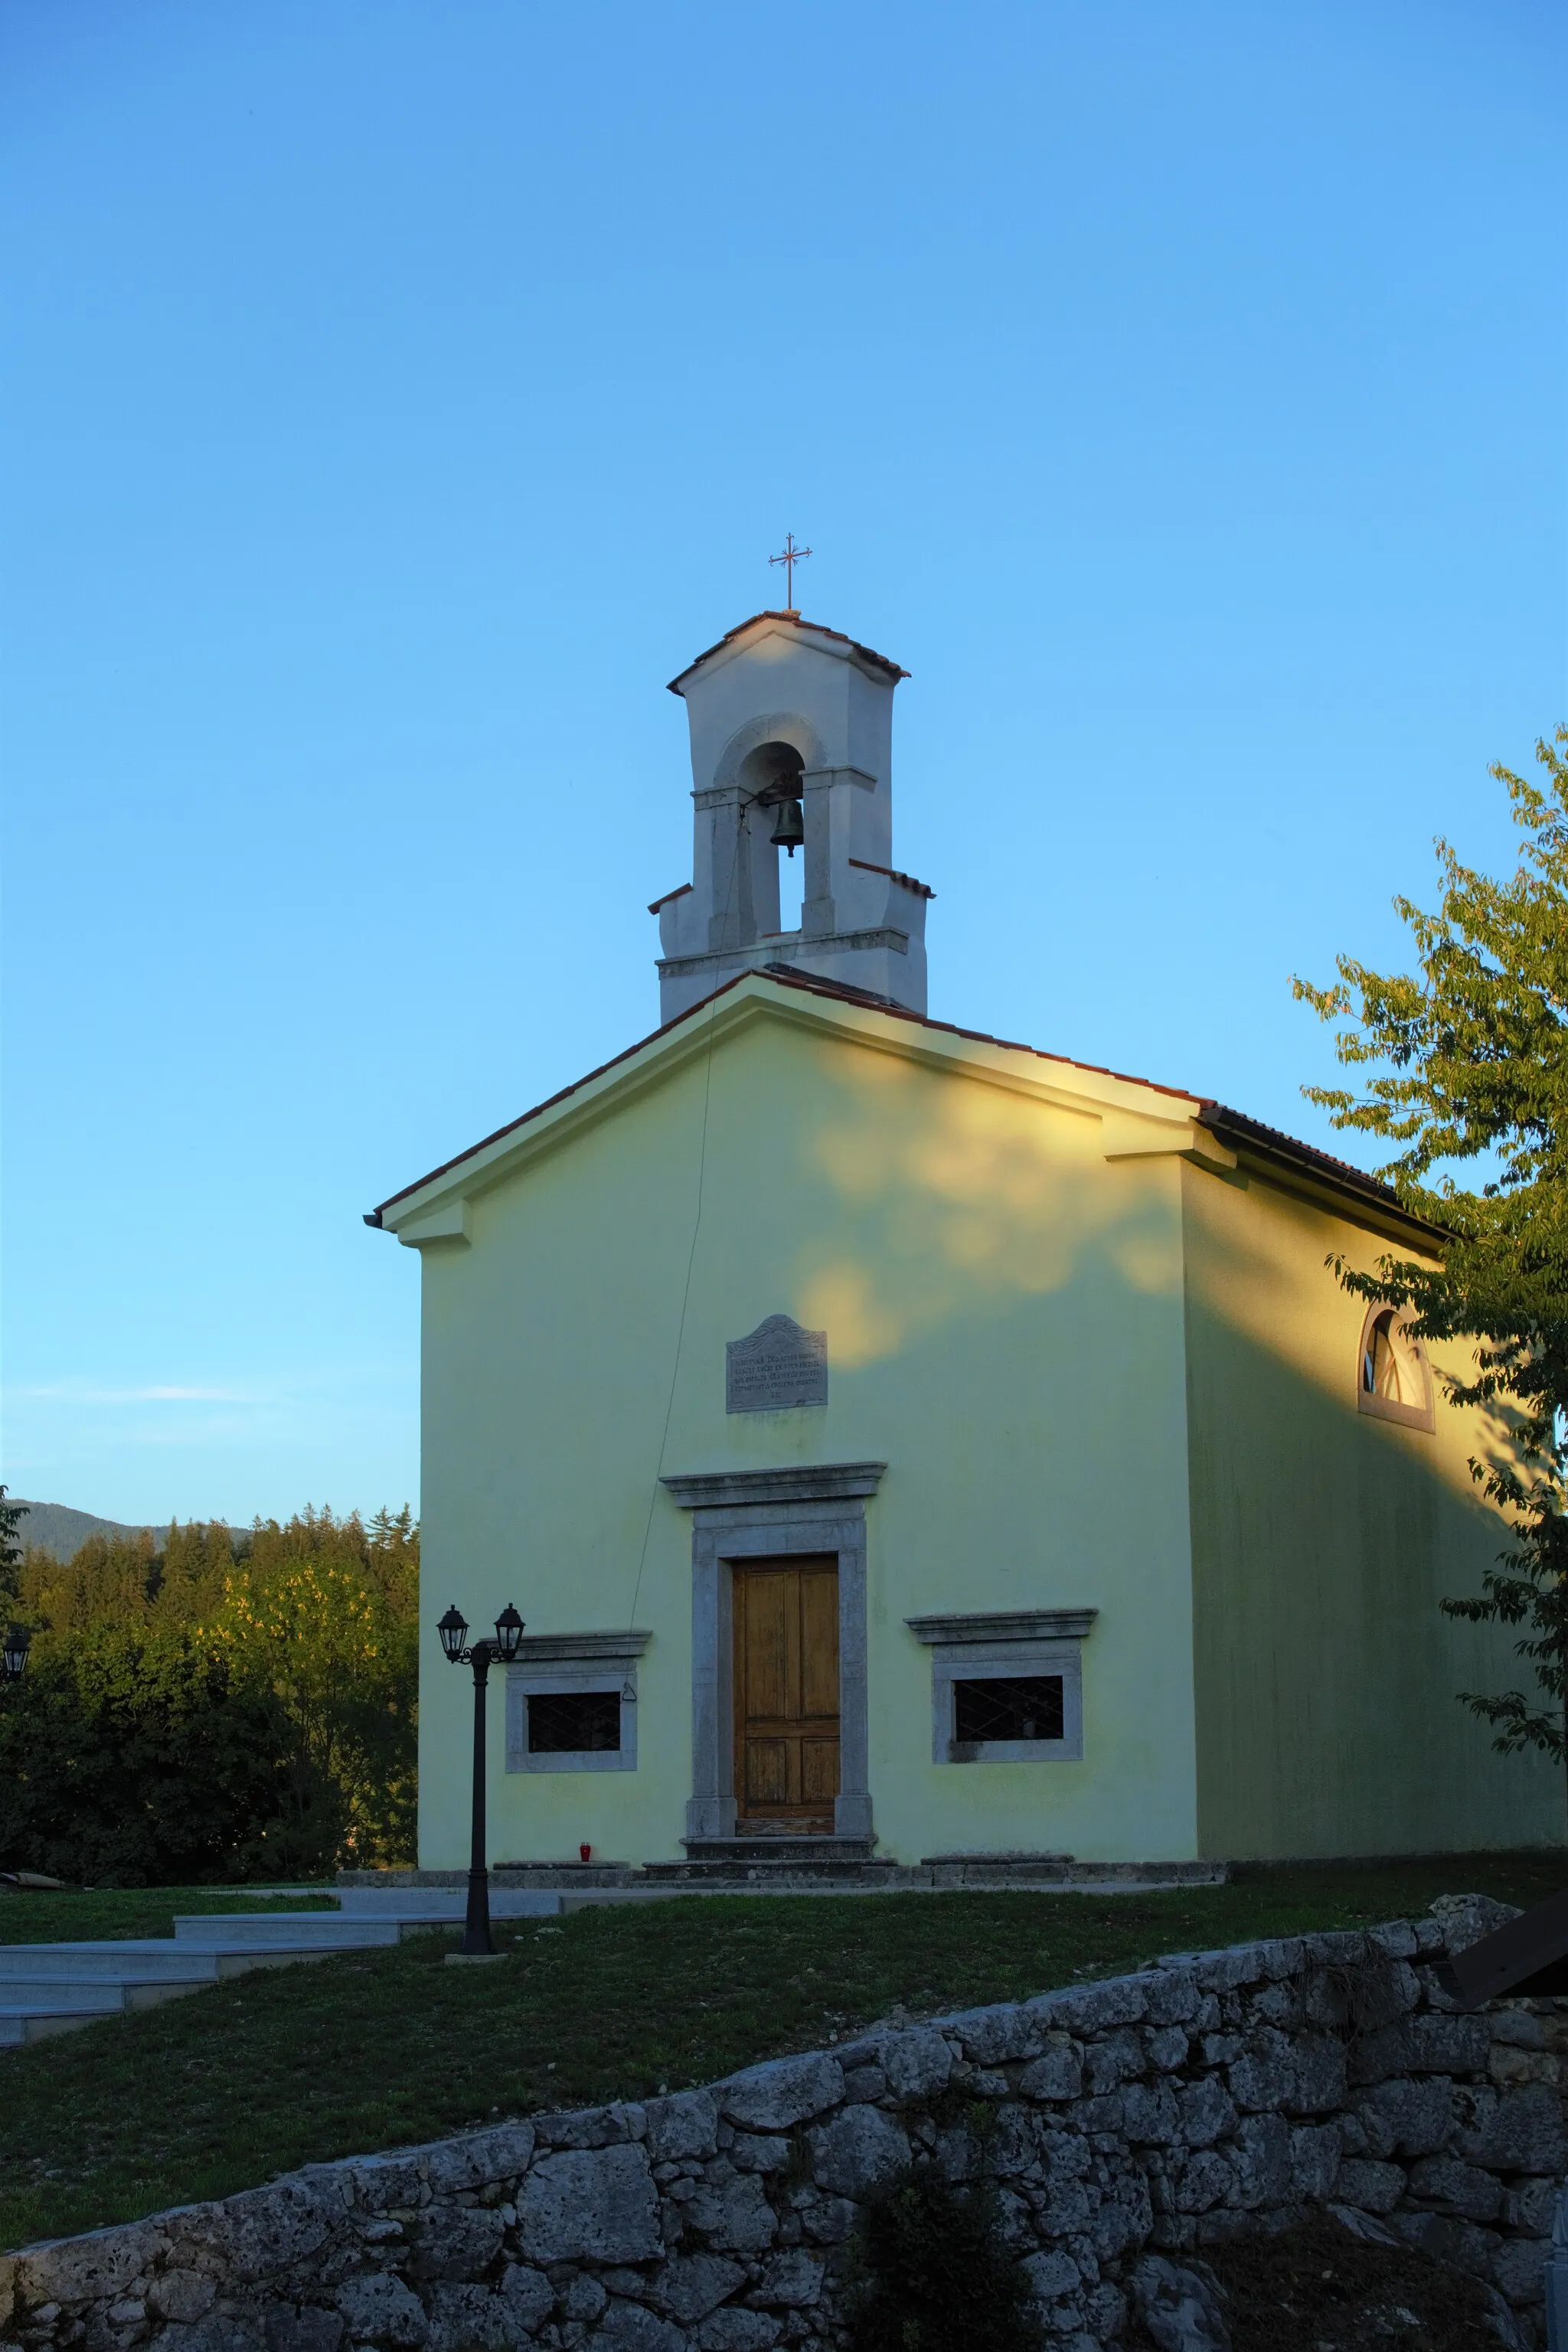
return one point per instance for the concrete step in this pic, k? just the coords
(307, 1931)
(72, 1992)
(35, 2021)
(146, 1958)
(429, 1905)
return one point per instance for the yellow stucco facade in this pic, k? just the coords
(1097, 1348)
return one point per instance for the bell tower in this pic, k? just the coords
(792, 737)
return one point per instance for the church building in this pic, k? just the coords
(904, 1443)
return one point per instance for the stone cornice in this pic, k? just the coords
(814, 1481)
(1005, 1625)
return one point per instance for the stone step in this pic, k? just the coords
(37, 2021)
(430, 1905)
(148, 1959)
(306, 1931)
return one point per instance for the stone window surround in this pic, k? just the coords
(999, 1645)
(741, 1515)
(549, 1665)
(1381, 1408)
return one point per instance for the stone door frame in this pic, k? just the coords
(741, 1515)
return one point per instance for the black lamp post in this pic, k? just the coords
(454, 1631)
(14, 1652)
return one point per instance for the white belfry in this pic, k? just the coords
(786, 715)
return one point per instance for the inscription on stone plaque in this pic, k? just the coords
(776, 1366)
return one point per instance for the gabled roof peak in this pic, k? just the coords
(790, 621)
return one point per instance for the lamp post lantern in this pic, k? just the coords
(14, 1652)
(454, 1631)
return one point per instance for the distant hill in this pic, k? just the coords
(55, 1526)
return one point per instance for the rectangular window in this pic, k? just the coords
(573, 1722)
(1024, 1706)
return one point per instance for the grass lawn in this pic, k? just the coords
(375, 2048)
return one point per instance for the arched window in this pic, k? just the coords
(1393, 1379)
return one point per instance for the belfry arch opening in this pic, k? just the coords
(773, 777)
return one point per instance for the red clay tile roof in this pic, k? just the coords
(795, 623)
(679, 892)
(1217, 1116)
(922, 888)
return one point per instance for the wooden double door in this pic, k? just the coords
(786, 1693)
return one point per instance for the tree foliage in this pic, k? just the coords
(11, 1517)
(233, 1704)
(936, 2271)
(1473, 1053)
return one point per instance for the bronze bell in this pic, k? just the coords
(789, 827)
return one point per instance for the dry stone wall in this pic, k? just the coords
(1125, 2124)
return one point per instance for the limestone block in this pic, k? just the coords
(864, 2082)
(1517, 2267)
(585, 2299)
(1464, 2244)
(529, 2295)
(182, 2295)
(1105, 2314)
(268, 2229)
(1092, 2009)
(734, 2215)
(687, 2123)
(1420, 2045)
(380, 2309)
(86, 2269)
(1374, 2188)
(859, 2151)
(1314, 2160)
(1408, 2118)
(758, 2152)
(629, 2327)
(1522, 2134)
(1458, 2186)
(1150, 2114)
(1179, 2307)
(783, 2092)
(791, 2282)
(1057, 2073)
(1206, 2112)
(1320, 2065)
(1529, 2207)
(1052, 2275)
(1116, 2059)
(301, 2328)
(377, 2182)
(988, 2037)
(916, 2061)
(455, 2241)
(218, 2332)
(1397, 1942)
(1015, 2145)
(1510, 2067)
(477, 2158)
(1521, 2029)
(593, 2203)
(1167, 2047)
(1126, 2217)
(830, 2221)
(732, 2330)
(1065, 2208)
(693, 2285)
(470, 2319)
(1205, 2180)
(610, 2126)
(1265, 2075)
(1262, 2161)
(1171, 1996)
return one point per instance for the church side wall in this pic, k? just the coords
(1322, 1542)
(1004, 1313)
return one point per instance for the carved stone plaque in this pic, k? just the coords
(776, 1366)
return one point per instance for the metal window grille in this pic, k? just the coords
(1024, 1707)
(573, 1722)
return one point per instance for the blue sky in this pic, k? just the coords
(397, 395)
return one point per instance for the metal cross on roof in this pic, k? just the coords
(792, 556)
